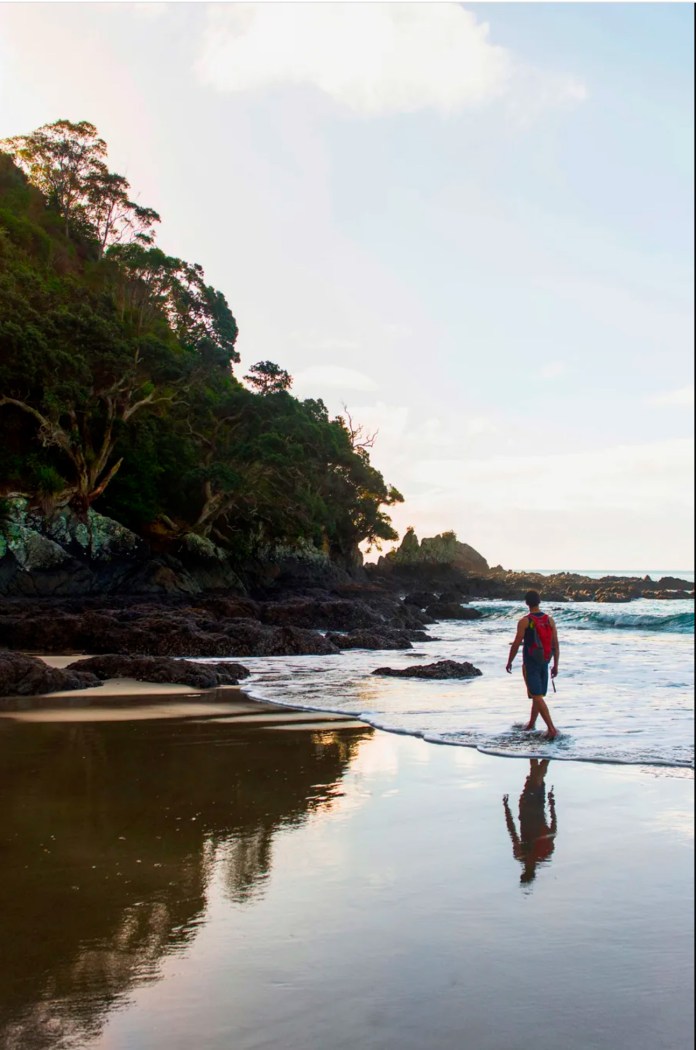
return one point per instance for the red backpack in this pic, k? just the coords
(540, 644)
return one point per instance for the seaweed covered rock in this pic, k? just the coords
(161, 669)
(443, 669)
(22, 675)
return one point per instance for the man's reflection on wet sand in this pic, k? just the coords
(534, 844)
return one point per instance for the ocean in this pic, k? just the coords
(625, 691)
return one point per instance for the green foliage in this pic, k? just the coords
(116, 382)
(268, 378)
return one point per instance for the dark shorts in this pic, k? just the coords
(537, 676)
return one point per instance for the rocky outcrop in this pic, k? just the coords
(22, 675)
(443, 669)
(443, 549)
(152, 630)
(161, 670)
(512, 586)
(321, 614)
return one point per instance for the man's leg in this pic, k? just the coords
(532, 716)
(546, 715)
(534, 711)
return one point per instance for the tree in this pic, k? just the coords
(71, 368)
(59, 159)
(114, 217)
(116, 380)
(268, 378)
(67, 162)
(152, 285)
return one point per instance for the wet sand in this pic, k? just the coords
(128, 700)
(262, 878)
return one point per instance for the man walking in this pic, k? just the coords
(537, 635)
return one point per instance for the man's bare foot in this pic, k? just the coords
(551, 735)
(529, 726)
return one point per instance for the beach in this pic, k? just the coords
(217, 873)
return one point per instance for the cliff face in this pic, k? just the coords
(71, 556)
(68, 556)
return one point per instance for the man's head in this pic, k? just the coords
(532, 599)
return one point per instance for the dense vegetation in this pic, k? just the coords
(116, 378)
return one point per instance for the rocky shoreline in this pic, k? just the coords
(100, 592)
(370, 611)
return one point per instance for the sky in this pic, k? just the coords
(471, 225)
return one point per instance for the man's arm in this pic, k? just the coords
(519, 638)
(555, 648)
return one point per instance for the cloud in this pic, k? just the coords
(552, 370)
(635, 478)
(534, 91)
(372, 58)
(322, 377)
(684, 397)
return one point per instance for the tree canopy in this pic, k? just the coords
(117, 386)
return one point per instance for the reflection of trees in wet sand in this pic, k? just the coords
(107, 843)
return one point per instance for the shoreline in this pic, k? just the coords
(128, 699)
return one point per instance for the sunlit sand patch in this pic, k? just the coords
(125, 687)
(280, 715)
(103, 713)
(315, 727)
(60, 661)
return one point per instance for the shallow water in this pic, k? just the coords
(191, 884)
(625, 692)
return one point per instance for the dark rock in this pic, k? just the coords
(22, 675)
(294, 641)
(380, 639)
(452, 611)
(329, 615)
(153, 630)
(162, 669)
(421, 599)
(456, 595)
(442, 669)
(609, 595)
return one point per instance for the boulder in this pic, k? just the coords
(161, 669)
(421, 599)
(443, 669)
(294, 641)
(455, 595)
(22, 675)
